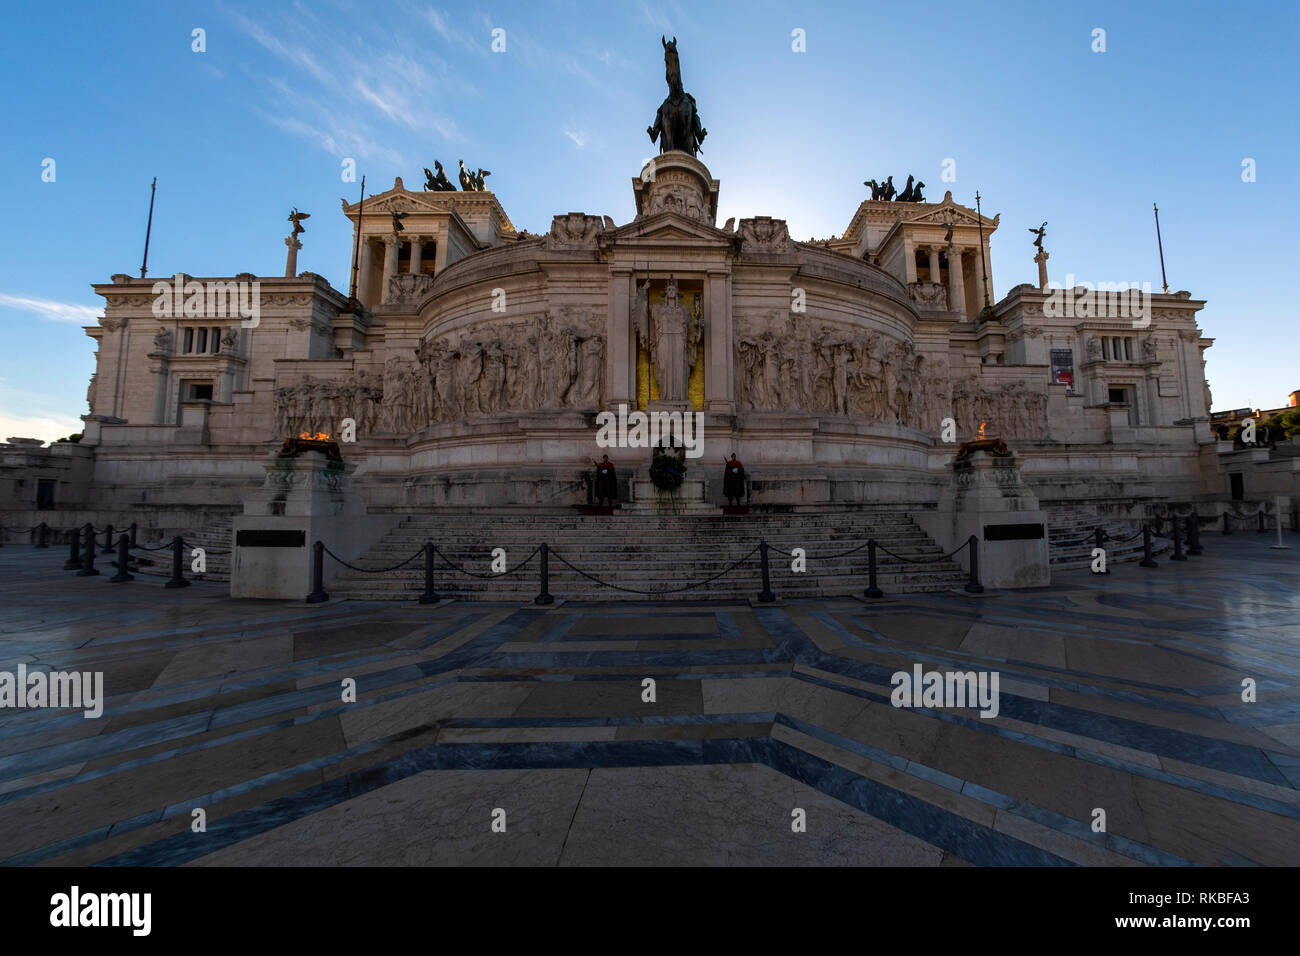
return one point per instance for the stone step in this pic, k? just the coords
(648, 553)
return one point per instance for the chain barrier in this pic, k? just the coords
(942, 557)
(353, 567)
(161, 547)
(491, 574)
(824, 557)
(687, 587)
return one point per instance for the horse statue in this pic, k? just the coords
(437, 182)
(677, 124)
(875, 187)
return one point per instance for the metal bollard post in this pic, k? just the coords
(178, 555)
(88, 568)
(42, 535)
(2, 536)
(873, 591)
(74, 551)
(134, 543)
(317, 574)
(1147, 560)
(973, 585)
(1194, 535)
(1226, 528)
(765, 596)
(108, 540)
(1261, 529)
(123, 559)
(429, 596)
(1178, 542)
(544, 595)
(1097, 537)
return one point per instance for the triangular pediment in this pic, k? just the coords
(403, 200)
(949, 212)
(667, 228)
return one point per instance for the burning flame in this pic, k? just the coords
(319, 436)
(982, 429)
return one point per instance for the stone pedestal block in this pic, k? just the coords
(986, 497)
(690, 498)
(303, 499)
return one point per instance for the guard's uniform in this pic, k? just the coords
(606, 483)
(733, 480)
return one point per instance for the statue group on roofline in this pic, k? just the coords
(885, 191)
(470, 180)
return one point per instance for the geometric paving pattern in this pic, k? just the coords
(1121, 693)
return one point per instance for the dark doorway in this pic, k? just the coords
(1238, 487)
(45, 494)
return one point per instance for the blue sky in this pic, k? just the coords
(1042, 126)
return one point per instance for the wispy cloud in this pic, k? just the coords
(654, 15)
(578, 137)
(54, 311)
(38, 426)
(351, 94)
(570, 65)
(443, 27)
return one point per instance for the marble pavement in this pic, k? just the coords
(1121, 693)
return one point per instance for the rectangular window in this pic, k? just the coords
(200, 340)
(201, 392)
(1119, 396)
(189, 341)
(1128, 349)
(1105, 348)
(215, 341)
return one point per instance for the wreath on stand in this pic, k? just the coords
(667, 472)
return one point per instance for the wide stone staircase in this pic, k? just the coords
(1070, 538)
(651, 553)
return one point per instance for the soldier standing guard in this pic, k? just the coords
(606, 483)
(733, 480)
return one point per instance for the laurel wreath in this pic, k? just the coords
(666, 472)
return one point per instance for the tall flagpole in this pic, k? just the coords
(983, 264)
(356, 244)
(144, 266)
(1160, 245)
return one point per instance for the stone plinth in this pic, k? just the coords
(302, 500)
(986, 497)
(690, 498)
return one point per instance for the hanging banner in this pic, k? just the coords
(1063, 367)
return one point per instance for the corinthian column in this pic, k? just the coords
(956, 282)
(291, 259)
(363, 280)
(719, 377)
(391, 245)
(620, 354)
